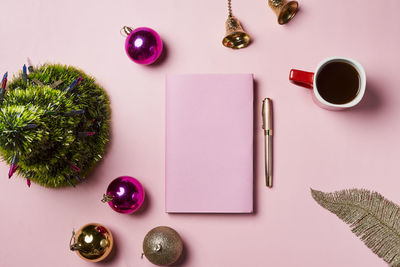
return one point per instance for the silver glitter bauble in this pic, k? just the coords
(162, 246)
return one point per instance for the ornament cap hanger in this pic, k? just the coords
(107, 198)
(126, 30)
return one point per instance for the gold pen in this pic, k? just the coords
(267, 126)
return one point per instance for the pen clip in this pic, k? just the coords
(264, 119)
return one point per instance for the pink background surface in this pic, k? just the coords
(313, 147)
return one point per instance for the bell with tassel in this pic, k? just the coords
(284, 10)
(235, 37)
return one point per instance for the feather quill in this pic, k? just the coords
(371, 217)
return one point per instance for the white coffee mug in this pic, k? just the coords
(309, 80)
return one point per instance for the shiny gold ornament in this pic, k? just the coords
(284, 10)
(162, 246)
(93, 242)
(235, 36)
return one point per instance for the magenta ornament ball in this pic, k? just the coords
(143, 45)
(126, 194)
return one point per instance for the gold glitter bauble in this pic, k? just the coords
(93, 242)
(162, 246)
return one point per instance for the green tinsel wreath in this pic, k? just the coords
(54, 132)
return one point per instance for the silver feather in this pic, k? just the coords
(371, 217)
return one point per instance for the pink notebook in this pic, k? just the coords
(209, 143)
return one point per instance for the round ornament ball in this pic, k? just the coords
(124, 194)
(93, 242)
(54, 124)
(162, 246)
(143, 45)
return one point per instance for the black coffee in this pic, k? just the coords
(338, 82)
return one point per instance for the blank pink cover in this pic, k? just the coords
(209, 143)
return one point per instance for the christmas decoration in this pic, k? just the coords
(143, 45)
(3, 86)
(93, 242)
(284, 10)
(371, 217)
(42, 116)
(162, 246)
(125, 194)
(235, 36)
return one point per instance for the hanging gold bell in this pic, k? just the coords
(235, 37)
(93, 242)
(284, 10)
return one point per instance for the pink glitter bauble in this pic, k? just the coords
(125, 194)
(143, 45)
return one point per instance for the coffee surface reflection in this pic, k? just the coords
(338, 82)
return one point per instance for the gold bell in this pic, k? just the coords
(284, 10)
(235, 37)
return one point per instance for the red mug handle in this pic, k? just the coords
(303, 78)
